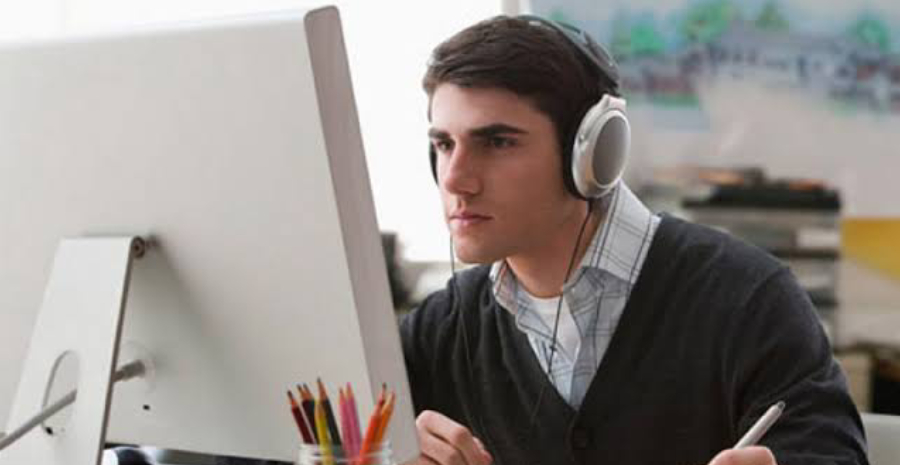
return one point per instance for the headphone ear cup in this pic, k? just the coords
(432, 157)
(600, 150)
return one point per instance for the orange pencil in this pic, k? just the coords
(385, 418)
(298, 418)
(372, 428)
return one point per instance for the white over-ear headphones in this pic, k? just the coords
(600, 149)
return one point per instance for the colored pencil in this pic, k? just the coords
(372, 429)
(299, 419)
(322, 428)
(309, 407)
(354, 420)
(345, 423)
(329, 415)
(385, 418)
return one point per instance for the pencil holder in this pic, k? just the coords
(315, 454)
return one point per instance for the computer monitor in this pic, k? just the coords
(234, 146)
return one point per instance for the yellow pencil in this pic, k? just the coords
(322, 429)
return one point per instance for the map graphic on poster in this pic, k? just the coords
(848, 55)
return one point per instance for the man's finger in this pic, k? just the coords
(481, 445)
(455, 435)
(746, 456)
(421, 460)
(441, 452)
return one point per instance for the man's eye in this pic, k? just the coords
(442, 145)
(501, 142)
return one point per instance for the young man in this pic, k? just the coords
(663, 343)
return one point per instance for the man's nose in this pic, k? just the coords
(460, 174)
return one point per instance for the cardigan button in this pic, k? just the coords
(581, 438)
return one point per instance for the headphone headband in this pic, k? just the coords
(590, 49)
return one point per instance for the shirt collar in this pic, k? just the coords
(618, 245)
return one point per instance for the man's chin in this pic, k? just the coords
(473, 261)
(471, 256)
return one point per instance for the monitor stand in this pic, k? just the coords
(81, 314)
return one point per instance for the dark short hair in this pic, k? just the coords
(533, 61)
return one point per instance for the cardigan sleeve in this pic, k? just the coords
(419, 333)
(780, 352)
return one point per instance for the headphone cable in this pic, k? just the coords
(553, 340)
(458, 295)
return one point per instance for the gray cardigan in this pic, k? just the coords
(714, 333)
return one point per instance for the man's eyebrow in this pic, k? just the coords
(480, 132)
(496, 129)
(437, 134)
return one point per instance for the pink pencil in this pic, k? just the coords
(345, 425)
(354, 419)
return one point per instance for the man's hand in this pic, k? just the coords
(446, 442)
(745, 456)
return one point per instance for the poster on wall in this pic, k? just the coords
(845, 55)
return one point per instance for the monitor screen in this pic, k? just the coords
(233, 146)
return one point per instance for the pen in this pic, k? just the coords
(762, 425)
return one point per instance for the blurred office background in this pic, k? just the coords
(776, 120)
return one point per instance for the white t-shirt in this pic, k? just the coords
(568, 337)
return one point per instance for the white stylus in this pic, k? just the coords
(762, 425)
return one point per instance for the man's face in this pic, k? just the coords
(500, 174)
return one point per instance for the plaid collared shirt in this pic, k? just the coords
(595, 295)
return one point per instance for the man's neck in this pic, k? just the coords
(543, 273)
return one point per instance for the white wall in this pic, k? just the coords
(388, 44)
(29, 18)
(788, 133)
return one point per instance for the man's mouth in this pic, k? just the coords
(467, 219)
